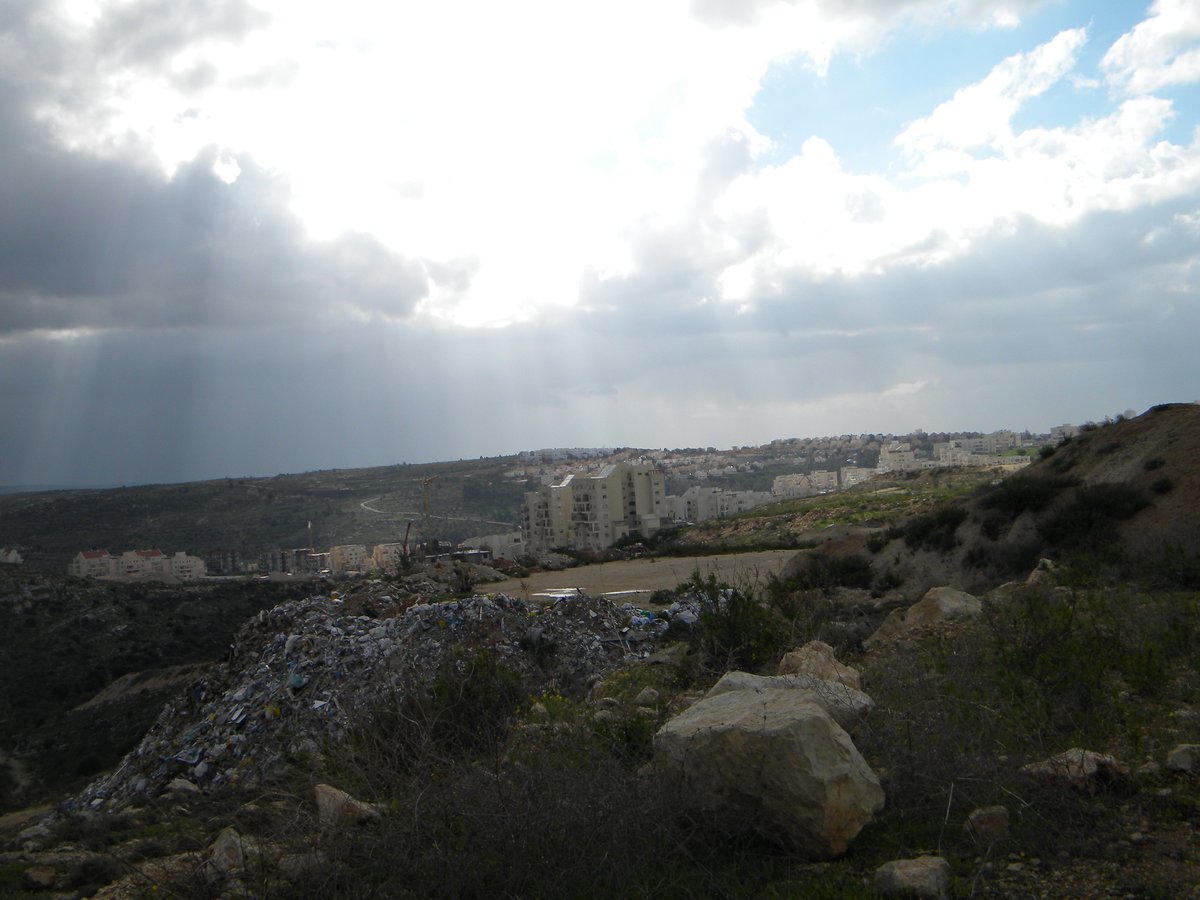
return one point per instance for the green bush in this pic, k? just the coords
(935, 530)
(1015, 495)
(736, 630)
(1155, 462)
(1090, 519)
(1162, 485)
(825, 573)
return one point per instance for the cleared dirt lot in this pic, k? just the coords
(646, 575)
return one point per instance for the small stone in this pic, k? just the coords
(1184, 758)
(227, 854)
(33, 838)
(989, 823)
(336, 807)
(181, 787)
(647, 697)
(925, 876)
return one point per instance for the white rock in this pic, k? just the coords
(1184, 758)
(847, 705)
(925, 876)
(817, 658)
(774, 762)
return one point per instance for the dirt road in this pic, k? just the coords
(646, 575)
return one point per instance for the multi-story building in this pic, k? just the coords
(89, 564)
(387, 557)
(594, 511)
(852, 475)
(300, 560)
(348, 558)
(506, 545)
(136, 564)
(223, 561)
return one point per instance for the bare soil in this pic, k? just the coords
(648, 575)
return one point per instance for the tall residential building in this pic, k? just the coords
(592, 512)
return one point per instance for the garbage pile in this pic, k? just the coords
(297, 673)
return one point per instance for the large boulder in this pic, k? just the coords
(774, 762)
(847, 705)
(938, 606)
(817, 658)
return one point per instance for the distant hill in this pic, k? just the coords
(469, 497)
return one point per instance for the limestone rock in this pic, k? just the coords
(988, 823)
(227, 854)
(847, 705)
(817, 658)
(33, 838)
(1184, 758)
(925, 876)
(181, 787)
(771, 761)
(1043, 572)
(335, 807)
(39, 878)
(1079, 768)
(939, 605)
(647, 697)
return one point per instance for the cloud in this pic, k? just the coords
(1161, 51)
(981, 115)
(88, 242)
(149, 33)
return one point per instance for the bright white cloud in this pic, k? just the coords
(1162, 51)
(981, 115)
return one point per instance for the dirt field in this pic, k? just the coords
(646, 575)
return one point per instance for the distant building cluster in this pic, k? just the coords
(136, 564)
(623, 494)
(701, 503)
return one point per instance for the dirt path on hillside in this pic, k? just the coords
(646, 575)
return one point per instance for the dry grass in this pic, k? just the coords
(649, 575)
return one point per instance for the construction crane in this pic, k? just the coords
(426, 514)
(404, 545)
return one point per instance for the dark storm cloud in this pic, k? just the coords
(87, 241)
(147, 33)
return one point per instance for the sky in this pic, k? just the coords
(246, 237)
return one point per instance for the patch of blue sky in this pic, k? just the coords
(862, 104)
(1083, 94)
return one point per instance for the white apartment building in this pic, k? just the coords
(136, 564)
(852, 475)
(896, 457)
(507, 545)
(387, 557)
(348, 558)
(698, 504)
(594, 511)
(89, 564)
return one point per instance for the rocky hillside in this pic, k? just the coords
(85, 667)
(1119, 499)
(996, 697)
(254, 515)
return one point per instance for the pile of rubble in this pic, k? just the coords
(298, 673)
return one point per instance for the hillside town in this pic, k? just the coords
(588, 499)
